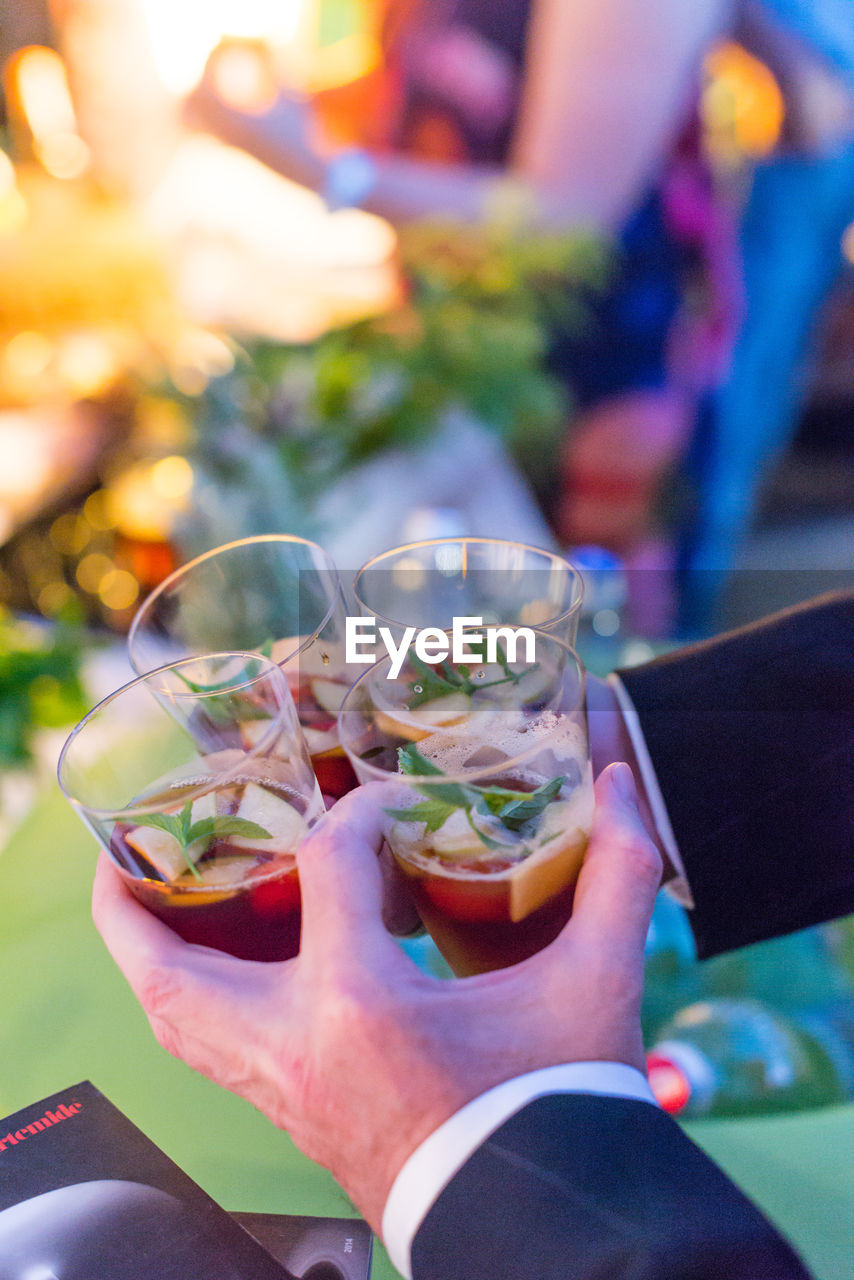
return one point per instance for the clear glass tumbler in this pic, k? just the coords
(197, 781)
(491, 759)
(428, 584)
(277, 595)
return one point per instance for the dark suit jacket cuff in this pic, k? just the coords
(587, 1187)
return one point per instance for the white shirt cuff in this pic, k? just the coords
(678, 887)
(434, 1163)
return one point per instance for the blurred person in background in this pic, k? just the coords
(588, 110)
(800, 202)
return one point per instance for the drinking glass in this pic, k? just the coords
(197, 781)
(275, 594)
(494, 795)
(428, 584)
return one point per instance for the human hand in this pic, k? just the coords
(349, 1046)
(285, 135)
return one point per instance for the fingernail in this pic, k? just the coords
(623, 783)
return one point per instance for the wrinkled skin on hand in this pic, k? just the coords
(350, 1047)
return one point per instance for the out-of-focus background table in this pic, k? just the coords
(68, 1015)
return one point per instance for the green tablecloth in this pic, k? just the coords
(68, 1015)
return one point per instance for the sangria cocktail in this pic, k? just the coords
(494, 795)
(197, 781)
(276, 595)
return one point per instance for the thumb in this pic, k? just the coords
(341, 880)
(621, 873)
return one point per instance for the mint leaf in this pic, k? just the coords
(439, 681)
(516, 813)
(431, 812)
(176, 825)
(512, 808)
(186, 832)
(431, 684)
(226, 825)
(170, 823)
(412, 762)
(456, 794)
(482, 836)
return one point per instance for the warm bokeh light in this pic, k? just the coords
(64, 155)
(53, 597)
(243, 77)
(27, 466)
(36, 79)
(96, 511)
(118, 590)
(172, 478)
(742, 105)
(87, 363)
(8, 180)
(144, 502)
(37, 87)
(183, 34)
(26, 356)
(92, 570)
(70, 533)
(13, 206)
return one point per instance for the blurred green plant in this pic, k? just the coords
(471, 333)
(40, 685)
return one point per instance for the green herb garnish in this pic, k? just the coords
(223, 703)
(438, 681)
(512, 808)
(186, 832)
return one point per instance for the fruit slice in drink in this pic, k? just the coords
(490, 896)
(224, 874)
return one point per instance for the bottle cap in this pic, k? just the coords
(680, 1075)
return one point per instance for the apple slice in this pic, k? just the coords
(204, 807)
(396, 727)
(285, 823)
(226, 872)
(163, 851)
(419, 722)
(319, 741)
(563, 834)
(406, 838)
(455, 838)
(450, 709)
(254, 731)
(159, 848)
(329, 694)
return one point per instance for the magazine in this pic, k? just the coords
(85, 1195)
(314, 1248)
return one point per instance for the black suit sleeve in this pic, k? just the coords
(752, 738)
(577, 1187)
